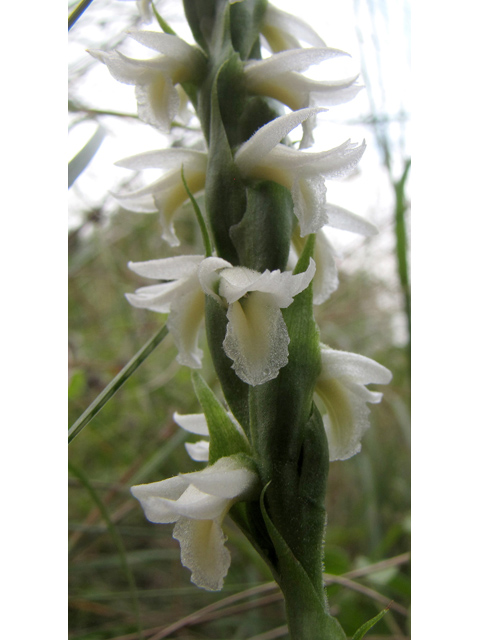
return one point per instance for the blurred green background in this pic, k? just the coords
(125, 572)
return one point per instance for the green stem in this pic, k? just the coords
(102, 399)
(77, 12)
(402, 245)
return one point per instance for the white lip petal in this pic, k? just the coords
(257, 338)
(203, 551)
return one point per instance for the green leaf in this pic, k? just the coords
(246, 21)
(306, 608)
(225, 194)
(359, 634)
(201, 15)
(83, 158)
(164, 26)
(225, 439)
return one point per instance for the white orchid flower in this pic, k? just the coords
(180, 296)
(283, 30)
(325, 280)
(167, 194)
(155, 79)
(198, 502)
(263, 158)
(197, 423)
(342, 389)
(257, 337)
(277, 77)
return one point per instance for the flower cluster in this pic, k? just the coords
(257, 338)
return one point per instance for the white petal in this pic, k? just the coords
(268, 136)
(257, 338)
(257, 71)
(187, 311)
(309, 197)
(282, 286)
(342, 364)
(227, 478)
(237, 281)
(340, 218)
(158, 102)
(198, 451)
(325, 281)
(342, 391)
(124, 69)
(140, 204)
(209, 277)
(165, 159)
(171, 46)
(203, 551)
(284, 30)
(156, 298)
(192, 422)
(167, 268)
(158, 498)
(198, 505)
(346, 421)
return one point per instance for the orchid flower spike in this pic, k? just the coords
(283, 31)
(155, 78)
(263, 158)
(276, 77)
(257, 337)
(342, 390)
(197, 423)
(180, 296)
(167, 194)
(325, 280)
(198, 502)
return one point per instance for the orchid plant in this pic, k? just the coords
(290, 404)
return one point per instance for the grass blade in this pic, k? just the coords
(102, 399)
